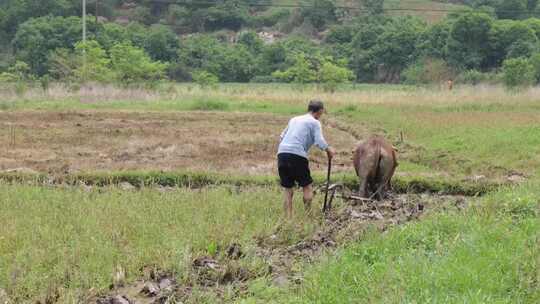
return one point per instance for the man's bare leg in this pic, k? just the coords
(308, 197)
(287, 201)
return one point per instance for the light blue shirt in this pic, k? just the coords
(301, 133)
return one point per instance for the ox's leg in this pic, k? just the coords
(362, 189)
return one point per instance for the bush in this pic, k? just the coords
(132, 64)
(269, 18)
(97, 66)
(535, 61)
(204, 78)
(473, 77)
(518, 72)
(331, 75)
(302, 71)
(263, 79)
(319, 13)
(427, 71)
(179, 72)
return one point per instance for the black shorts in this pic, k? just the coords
(293, 169)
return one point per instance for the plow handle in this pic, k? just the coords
(327, 206)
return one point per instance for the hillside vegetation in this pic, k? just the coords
(315, 41)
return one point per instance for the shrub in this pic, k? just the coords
(427, 70)
(204, 78)
(319, 13)
(263, 79)
(44, 82)
(331, 75)
(132, 64)
(302, 71)
(63, 64)
(518, 72)
(97, 65)
(473, 77)
(535, 61)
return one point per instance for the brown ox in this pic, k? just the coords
(375, 162)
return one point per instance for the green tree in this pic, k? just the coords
(272, 58)
(512, 9)
(237, 65)
(433, 42)
(143, 15)
(229, 14)
(302, 71)
(395, 48)
(178, 15)
(161, 43)
(132, 64)
(468, 39)
(111, 33)
(36, 38)
(339, 34)
(19, 72)
(319, 13)
(510, 39)
(331, 75)
(251, 41)
(204, 78)
(518, 72)
(535, 62)
(95, 66)
(374, 7)
(534, 24)
(62, 65)
(137, 34)
(201, 52)
(17, 12)
(363, 60)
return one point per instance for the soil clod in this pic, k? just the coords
(120, 300)
(234, 251)
(150, 289)
(205, 262)
(4, 299)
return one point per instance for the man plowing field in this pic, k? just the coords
(301, 133)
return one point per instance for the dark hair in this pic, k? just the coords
(315, 106)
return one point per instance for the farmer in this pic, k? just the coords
(293, 166)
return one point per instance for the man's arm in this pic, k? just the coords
(321, 143)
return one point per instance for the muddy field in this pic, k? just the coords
(68, 142)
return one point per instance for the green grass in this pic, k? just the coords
(469, 139)
(75, 240)
(402, 184)
(488, 253)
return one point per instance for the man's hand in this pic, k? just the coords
(330, 152)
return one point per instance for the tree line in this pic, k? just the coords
(324, 44)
